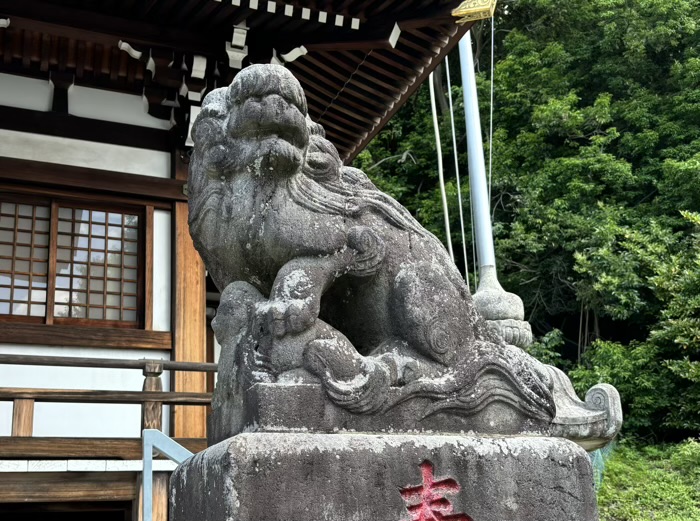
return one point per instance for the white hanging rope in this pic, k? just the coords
(459, 185)
(441, 174)
(493, 32)
(476, 272)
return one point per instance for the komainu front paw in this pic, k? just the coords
(294, 316)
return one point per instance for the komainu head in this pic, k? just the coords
(258, 122)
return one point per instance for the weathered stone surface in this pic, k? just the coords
(326, 280)
(299, 407)
(360, 477)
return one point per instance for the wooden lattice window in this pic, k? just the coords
(24, 256)
(72, 263)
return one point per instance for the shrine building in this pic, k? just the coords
(104, 303)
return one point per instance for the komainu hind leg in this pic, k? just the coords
(432, 313)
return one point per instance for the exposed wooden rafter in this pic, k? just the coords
(363, 58)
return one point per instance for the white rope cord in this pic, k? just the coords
(441, 174)
(493, 32)
(476, 272)
(459, 185)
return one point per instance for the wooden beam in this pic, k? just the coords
(152, 412)
(350, 45)
(110, 363)
(90, 396)
(68, 22)
(148, 276)
(89, 179)
(70, 336)
(311, 75)
(380, 70)
(160, 492)
(31, 487)
(398, 65)
(373, 93)
(416, 23)
(75, 127)
(454, 39)
(189, 318)
(32, 510)
(92, 448)
(23, 418)
(43, 192)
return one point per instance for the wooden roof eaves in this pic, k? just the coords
(362, 99)
(374, 79)
(373, 87)
(382, 69)
(456, 36)
(34, 15)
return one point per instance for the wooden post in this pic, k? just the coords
(23, 418)
(160, 497)
(189, 320)
(152, 412)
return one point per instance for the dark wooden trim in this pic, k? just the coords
(64, 448)
(51, 275)
(71, 336)
(416, 23)
(454, 40)
(147, 286)
(59, 102)
(68, 22)
(18, 189)
(32, 510)
(32, 487)
(89, 179)
(349, 45)
(90, 396)
(65, 125)
(108, 363)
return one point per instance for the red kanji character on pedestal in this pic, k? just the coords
(426, 502)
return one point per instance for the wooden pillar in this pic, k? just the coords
(23, 418)
(160, 497)
(189, 320)
(152, 412)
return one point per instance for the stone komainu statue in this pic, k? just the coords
(328, 283)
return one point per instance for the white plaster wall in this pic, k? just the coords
(105, 105)
(79, 420)
(25, 93)
(75, 152)
(162, 278)
(28, 93)
(112, 106)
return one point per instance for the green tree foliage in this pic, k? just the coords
(596, 175)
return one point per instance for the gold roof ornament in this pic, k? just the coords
(472, 10)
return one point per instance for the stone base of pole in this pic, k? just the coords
(504, 312)
(364, 477)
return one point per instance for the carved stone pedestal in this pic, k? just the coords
(364, 477)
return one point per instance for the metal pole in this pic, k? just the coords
(153, 439)
(502, 310)
(477, 169)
